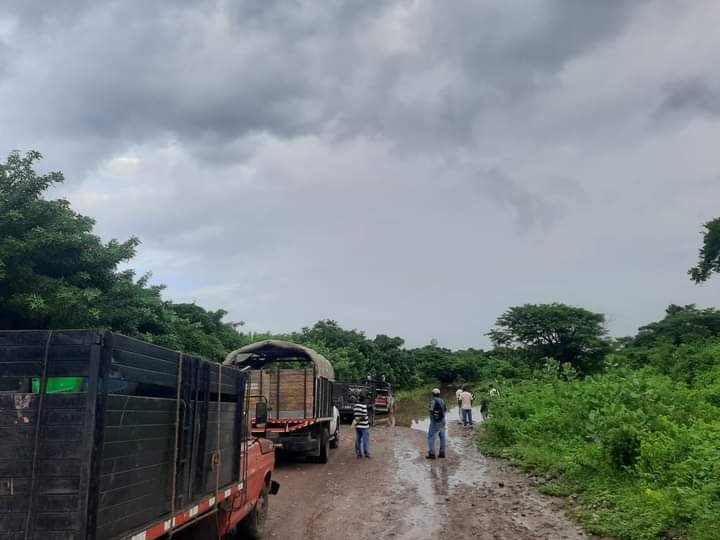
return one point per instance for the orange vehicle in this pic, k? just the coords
(104, 437)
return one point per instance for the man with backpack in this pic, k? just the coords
(437, 424)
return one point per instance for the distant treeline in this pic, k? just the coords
(56, 273)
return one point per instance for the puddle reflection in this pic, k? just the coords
(413, 413)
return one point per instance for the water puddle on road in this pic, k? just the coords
(464, 464)
(467, 493)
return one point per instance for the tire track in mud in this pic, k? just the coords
(400, 495)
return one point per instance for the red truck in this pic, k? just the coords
(104, 437)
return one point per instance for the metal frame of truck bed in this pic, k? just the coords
(154, 440)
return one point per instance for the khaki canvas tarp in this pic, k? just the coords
(258, 355)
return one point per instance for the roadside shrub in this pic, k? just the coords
(621, 447)
(639, 447)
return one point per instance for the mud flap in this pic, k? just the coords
(274, 488)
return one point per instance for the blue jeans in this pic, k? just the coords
(467, 417)
(362, 435)
(431, 439)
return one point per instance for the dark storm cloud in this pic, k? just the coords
(131, 70)
(381, 161)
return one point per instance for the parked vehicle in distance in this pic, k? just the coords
(105, 437)
(301, 417)
(384, 399)
(346, 395)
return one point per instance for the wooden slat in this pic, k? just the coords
(133, 476)
(139, 403)
(141, 361)
(66, 401)
(67, 368)
(20, 369)
(129, 448)
(129, 492)
(136, 461)
(139, 418)
(145, 376)
(124, 343)
(55, 467)
(134, 433)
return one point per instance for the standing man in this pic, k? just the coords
(484, 406)
(362, 426)
(458, 394)
(466, 400)
(437, 424)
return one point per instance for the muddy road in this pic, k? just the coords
(399, 494)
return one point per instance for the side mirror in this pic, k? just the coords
(261, 414)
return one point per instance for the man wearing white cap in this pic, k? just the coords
(437, 424)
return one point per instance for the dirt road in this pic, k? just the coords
(399, 494)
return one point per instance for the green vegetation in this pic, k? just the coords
(355, 356)
(564, 333)
(631, 426)
(55, 273)
(709, 262)
(639, 444)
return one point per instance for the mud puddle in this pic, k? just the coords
(398, 494)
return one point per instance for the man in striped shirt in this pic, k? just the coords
(362, 426)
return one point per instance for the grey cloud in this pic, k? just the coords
(293, 68)
(694, 96)
(380, 162)
(530, 209)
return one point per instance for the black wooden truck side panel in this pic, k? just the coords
(104, 462)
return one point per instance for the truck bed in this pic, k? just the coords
(147, 435)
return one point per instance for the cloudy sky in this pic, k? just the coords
(411, 167)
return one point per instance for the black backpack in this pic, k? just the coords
(438, 411)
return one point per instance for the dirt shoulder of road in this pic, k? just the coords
(399, 494)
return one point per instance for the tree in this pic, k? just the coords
(55, 273)
(681, 324)
(554, 331)
(53, 270)
(709, 259)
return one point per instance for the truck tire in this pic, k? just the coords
(335, 442)
(253, 526)
(324, 446)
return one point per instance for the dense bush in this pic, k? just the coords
(641, 448)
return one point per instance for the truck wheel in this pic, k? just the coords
(253, 526)
(336, 438)
(324, 446)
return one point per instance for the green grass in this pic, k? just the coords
(638, 450)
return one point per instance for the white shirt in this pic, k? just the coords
(466, 398)
(458, 394)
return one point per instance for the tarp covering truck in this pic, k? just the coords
(301, 417)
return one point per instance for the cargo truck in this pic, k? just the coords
(104, 437)
(301, 418)
(347, 395)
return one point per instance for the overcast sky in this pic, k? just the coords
(406, 167)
